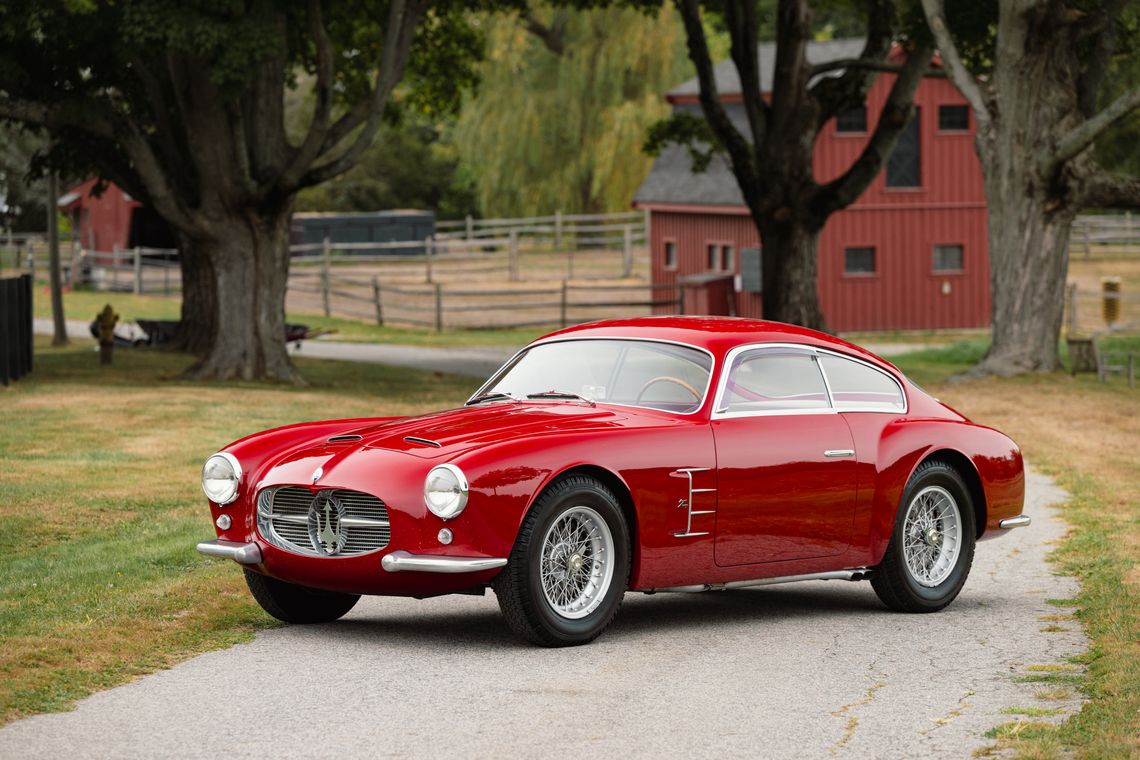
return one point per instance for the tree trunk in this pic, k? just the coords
(790, 272)
(249, 262)
(1029, 259)
(199, 306)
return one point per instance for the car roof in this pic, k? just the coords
(718, 335)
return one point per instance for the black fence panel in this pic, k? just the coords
(15, 328)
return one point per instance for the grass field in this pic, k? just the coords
(101, 509)
(99, 581)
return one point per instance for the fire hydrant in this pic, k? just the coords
(107, 319)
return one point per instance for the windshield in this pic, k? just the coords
(662, 376)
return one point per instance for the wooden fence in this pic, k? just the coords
(1092, 312)
(1105, 235)
(15, 328)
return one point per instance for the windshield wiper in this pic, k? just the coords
(492, 396)
(561, 394)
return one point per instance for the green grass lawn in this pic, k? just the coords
(101, 508)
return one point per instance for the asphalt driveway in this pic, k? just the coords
(817, 669)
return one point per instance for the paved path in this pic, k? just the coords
(815, 670)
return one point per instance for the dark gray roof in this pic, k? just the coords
(728, 79)
(671, 180)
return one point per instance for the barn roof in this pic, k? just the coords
(728, 80)
(672, 180)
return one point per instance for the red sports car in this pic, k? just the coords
(653, 454)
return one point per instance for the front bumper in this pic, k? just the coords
(396, 562)
(1014, 522)
(243, 554)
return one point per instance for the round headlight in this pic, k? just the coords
(445, 491)
(221, 476)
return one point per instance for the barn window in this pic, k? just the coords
(953, 118)
(670, 254)
(714, 256)
(860, 260)
(904, 165)
(948, 258)
(854, 120)
(727, 258)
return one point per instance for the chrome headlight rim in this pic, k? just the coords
(455, 508)
(235, 466)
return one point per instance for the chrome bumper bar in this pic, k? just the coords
(1014, 522)
(400, 561)
(244, 554)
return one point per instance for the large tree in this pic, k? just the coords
(771, 158)
(1036, 93)
(566, 94)
(182, 104)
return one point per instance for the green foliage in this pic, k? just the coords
(22, 195)
(547, 131)
(687, 130)
(412, 164)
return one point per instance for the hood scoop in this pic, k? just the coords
(346, 439)
(424, 441)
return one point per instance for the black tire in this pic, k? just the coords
(893, 581)
(298, 604)
(519, 587)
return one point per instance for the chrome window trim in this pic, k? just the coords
(810, 350)
(546, 341)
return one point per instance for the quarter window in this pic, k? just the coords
(774, 380)
(857, 387)
(948, 258)
(859, 260)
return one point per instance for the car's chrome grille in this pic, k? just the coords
(324, 523)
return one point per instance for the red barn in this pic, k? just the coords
(113, 219)
(910, 253)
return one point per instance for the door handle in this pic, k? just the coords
(833, 453)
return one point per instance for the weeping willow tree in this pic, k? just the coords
(564, 102)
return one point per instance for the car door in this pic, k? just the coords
(786, 472)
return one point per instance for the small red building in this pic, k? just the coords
(112, 220)
(910, 253)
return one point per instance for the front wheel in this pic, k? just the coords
(932, 547)
(291, 603)
(569, 568)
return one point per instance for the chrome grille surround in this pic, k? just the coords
(289, 517)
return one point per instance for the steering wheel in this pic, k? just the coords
(668, 379)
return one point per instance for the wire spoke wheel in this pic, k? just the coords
(932, 536)
(576, 566)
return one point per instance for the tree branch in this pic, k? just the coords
(1107, 190)
(1105, 31)
(311, 146)
(959, 74)
(403, 18)
(740, 152)
(860, 63)
(896, 113)
(740, 16)
(835, 94)
(1082, 136)
(551, 36)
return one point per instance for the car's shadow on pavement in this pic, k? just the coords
(640, 615)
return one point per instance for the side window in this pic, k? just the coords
(774, 380)
(856, 386)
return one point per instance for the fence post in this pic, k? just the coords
(1085, 235)
(1128, 225)
(376, 300)
(1073, 321)
(438, 307)
(326, 261)
(428, 246)
(114, 266)
(627, 250)
(470, 228)
(570, 263)
(166, 278)
(558, 230)
(513, 255)
(138, 270)
(562, 310)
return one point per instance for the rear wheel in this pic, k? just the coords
(298, 604)
(569, 568)
(932, 547)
